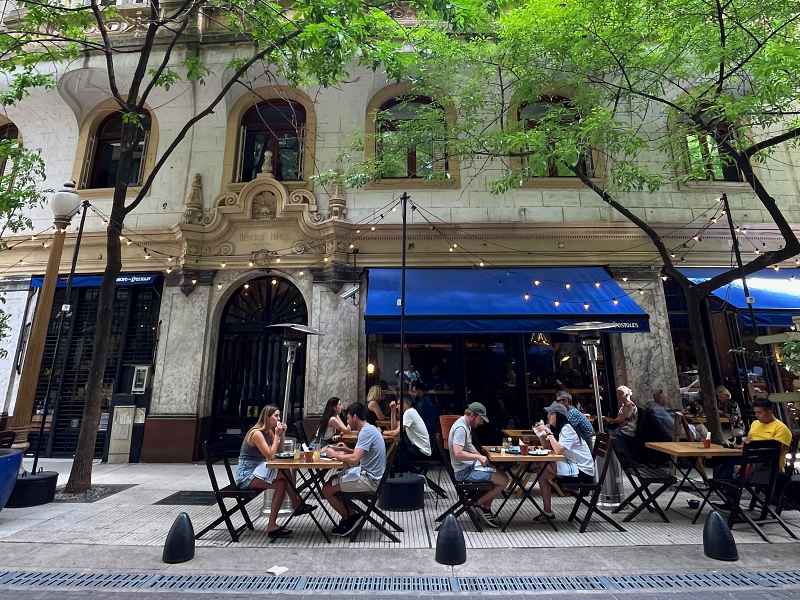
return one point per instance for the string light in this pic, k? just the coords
(146, 254)
(614, 301)
(219, 286)
(223, 265)
(481, 264)
(537, 283)
(641, 292)
(274, 282)
(352, 246)
(194, 281)
(568, 286)
(585, 306)
(247, 286)
(776, 268)
(251, 264)
(278, 260)
(625, 279)
(372, 228)
(526, 296)
(325, 259)
(300, 274)
(556, 303)
(597, 284)
(663, 278)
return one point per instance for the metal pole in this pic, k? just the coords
(59, 328)
(404, 203)
(735, 240)
(291, 356)
(590, 345)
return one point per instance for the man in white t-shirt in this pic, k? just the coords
(415, 444)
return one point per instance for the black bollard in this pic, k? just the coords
(450, 546)
(718, 542)
(179, 546)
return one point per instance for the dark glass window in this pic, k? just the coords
(278, 127)
(408, 149)
(708, 162)
(106, 153)
(529, 115)
(7, 132)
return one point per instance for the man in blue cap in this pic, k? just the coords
(470, 465)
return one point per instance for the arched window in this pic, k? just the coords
(532, 113)
(8, 131)
(105, 153)
(706, 161)
(411, 138)
(274, 126)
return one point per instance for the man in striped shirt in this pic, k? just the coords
(576, 418)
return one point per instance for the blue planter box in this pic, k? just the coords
(10, 460)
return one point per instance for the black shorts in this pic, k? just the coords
(580, 478)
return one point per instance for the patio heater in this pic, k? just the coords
(612, 486)
(292, 346)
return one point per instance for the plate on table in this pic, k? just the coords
(284, 455)
(513, 450)
(538, 452)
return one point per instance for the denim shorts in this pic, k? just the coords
(475, 475)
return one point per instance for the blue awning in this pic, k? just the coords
(776, 294)
(492, 300)
(123, 280)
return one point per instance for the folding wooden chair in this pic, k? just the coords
(365, 505)
(214, 453)
(467, 492)
(757, 475)
(602, 450)
(641, 477)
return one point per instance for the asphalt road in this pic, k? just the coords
(745, 594)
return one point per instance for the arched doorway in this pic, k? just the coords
(251, 359)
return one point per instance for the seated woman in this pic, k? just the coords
(578, 466)
(261, 444)
(374, 400)
(330, 424)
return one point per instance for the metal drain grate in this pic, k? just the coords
(379, 585)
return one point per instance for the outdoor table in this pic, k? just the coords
(312, 473)
(691, 450)
(507, 462)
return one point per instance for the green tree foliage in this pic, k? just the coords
(304, 42)
(625, 96)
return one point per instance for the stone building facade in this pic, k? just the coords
(224, 232)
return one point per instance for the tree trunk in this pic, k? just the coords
(80, 477)
(704, 373)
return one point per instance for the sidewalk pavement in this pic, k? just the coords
(125, 532)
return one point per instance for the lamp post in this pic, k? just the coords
(64, 204)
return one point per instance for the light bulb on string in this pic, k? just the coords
(776, 268)
(625, 279)
(194, 281)
(325, 259)
(358, 231)
(567, 286)
(597, 284)
(170, 259)
(372, 228)
(641, 292)
(615, 302)
(219, 286)
(278, 260)
(128, 242)
(146, 254)
(537, 283)
(300, 274)
(481, 264)
(556, 303)
(526, 296)
(274, 282)
(251, 264)
(223, 265)
(169, 270)
(247, 286)
(663, 278)
(585, 306)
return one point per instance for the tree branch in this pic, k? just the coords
(148, 182)
(107, 46)
(144, 57)
(773, 141)
(164, 62)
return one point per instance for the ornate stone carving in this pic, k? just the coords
(265, 205)
(307, 198)
(337, 205)
(300, 247)
(225, 249)
(228, 199)
(193, 213)
(263, 258)
(266, 165)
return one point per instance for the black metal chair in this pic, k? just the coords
(756, 475)
(602, 450)
(365, 505)
(222, 451)
(641, 478)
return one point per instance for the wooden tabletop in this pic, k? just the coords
(497, 457)
(289, 464)
(692, 449)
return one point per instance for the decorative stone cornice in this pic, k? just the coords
(189, 279)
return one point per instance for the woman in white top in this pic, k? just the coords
(578, 466)
(331, 423)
